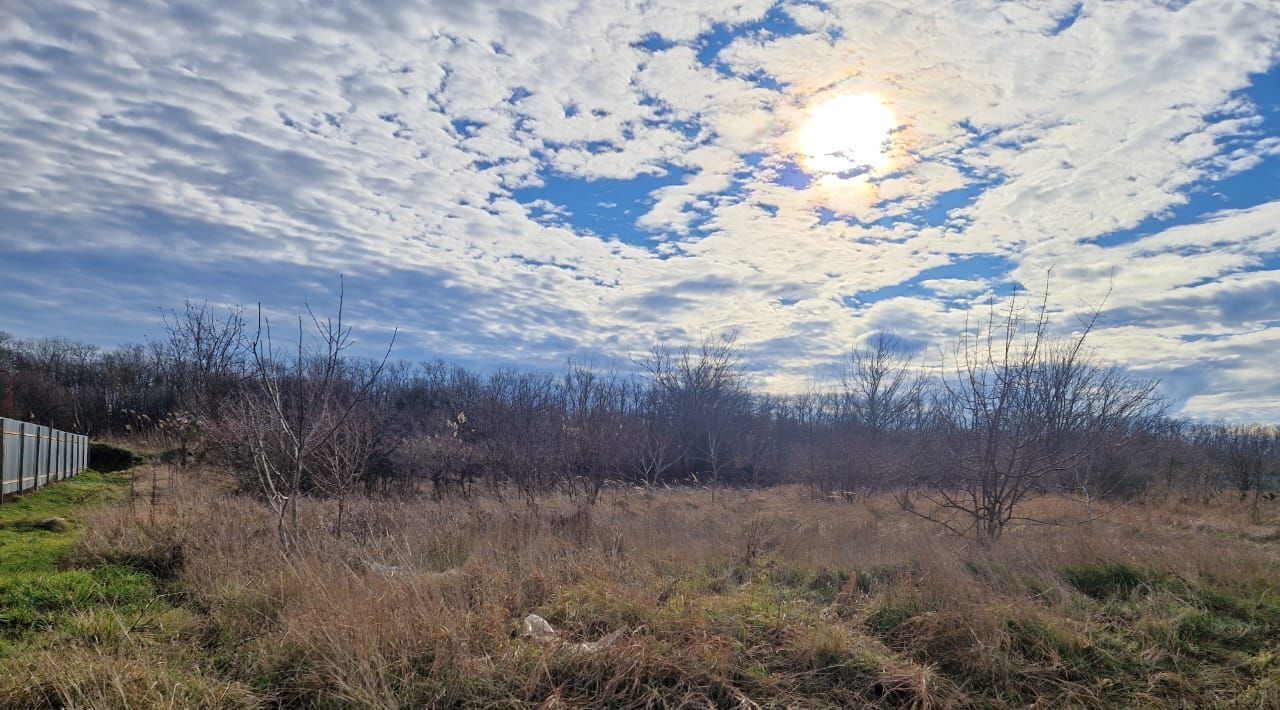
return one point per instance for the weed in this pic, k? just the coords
(1107, 580)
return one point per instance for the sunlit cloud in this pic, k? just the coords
(847, 132)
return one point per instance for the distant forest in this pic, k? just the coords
(1008, 412)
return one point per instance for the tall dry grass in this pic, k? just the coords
(744, 598)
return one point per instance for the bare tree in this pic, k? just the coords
(650, 437)
(705, 390)
(880, 388)
(879, 397)
(203, 356)
(1105, 404)
(343, 459)
(203, 349)
(521, 427)
(808, 417)
(296, 403)
(1018, 409)
(594, 405)
(1249, 455)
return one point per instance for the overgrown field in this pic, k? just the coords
(737, 598)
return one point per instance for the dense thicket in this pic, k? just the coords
(1008, 411)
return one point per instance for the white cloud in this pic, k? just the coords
(385, 140)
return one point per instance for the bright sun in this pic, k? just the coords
(847, 132)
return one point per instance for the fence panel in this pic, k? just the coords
(10, 455)
(64, 452)
(44, 439)
(67, 438)
(55, 459)
(32, 456)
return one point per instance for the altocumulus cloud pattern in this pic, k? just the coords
(511, 182)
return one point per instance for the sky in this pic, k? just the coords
(515, 182)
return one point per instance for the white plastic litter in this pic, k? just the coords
(537, 627)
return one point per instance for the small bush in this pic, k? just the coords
(892, 612)
(109, 458)
(162, 562)
(1108, 581)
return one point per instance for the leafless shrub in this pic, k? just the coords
(1249, 456)
(342, 460)
(445, 458)
(294, 405)
(1019, 409)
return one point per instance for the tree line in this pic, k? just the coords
(1008, 411)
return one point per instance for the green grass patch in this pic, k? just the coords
(32, 601)
(821, 585)
(38, 529)
(90, 633)
(37, 532)
(1106, 581)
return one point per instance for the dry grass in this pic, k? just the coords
(741, 599)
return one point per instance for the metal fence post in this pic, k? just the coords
(23, 459)
(42, 456)
(4, 460)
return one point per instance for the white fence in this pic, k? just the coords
(33, 456)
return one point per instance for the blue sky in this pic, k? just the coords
(516, 183)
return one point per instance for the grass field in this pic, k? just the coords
(741, 599)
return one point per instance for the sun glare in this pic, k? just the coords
(845, 133)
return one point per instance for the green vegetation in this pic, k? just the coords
(39, 594)
(1104, 581)
(37, 530)
(92, 631)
